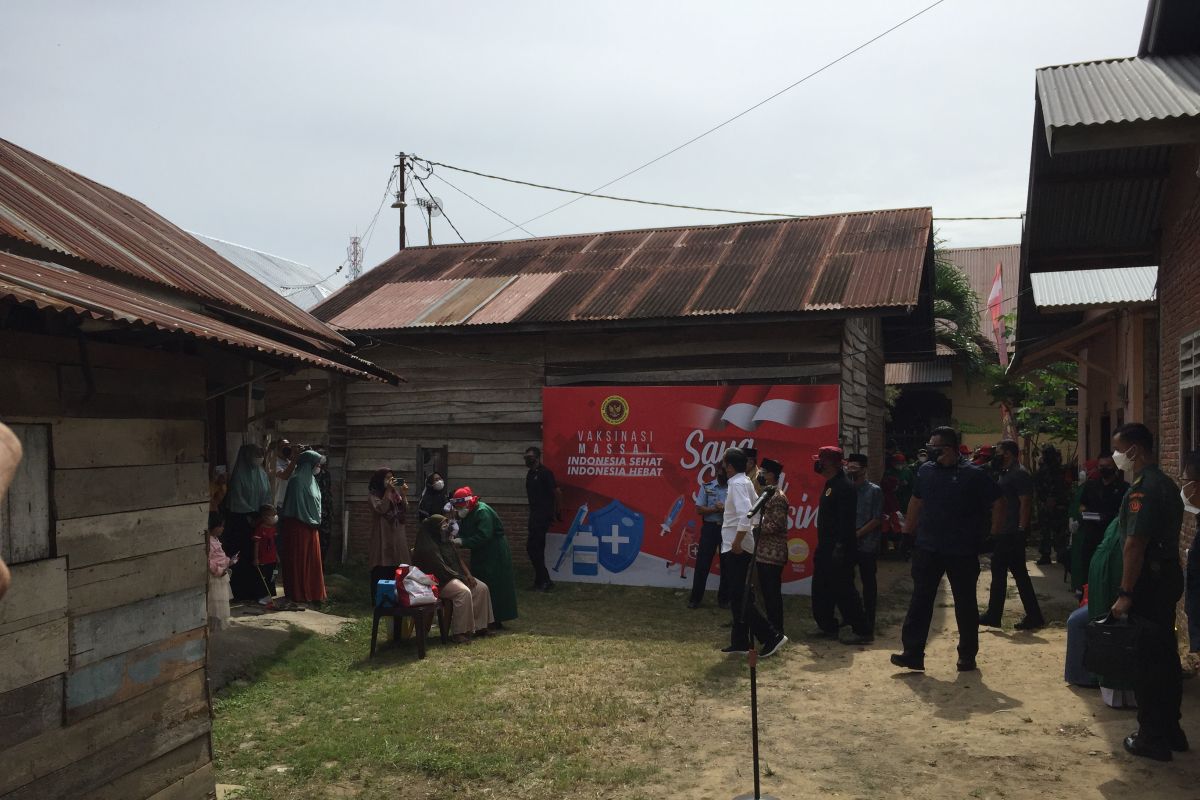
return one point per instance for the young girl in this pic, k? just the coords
(218, 575)
(265, 554)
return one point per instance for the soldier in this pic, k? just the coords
(837, 546)
(1151, 584)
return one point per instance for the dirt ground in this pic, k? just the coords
(840, 721)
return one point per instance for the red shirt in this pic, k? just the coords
(264, 545)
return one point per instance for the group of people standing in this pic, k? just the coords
(252, 536)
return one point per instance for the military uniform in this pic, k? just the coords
(1053, 497)
(1153, 510)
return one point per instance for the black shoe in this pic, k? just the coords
(1028, 624)
(768, 650)
(1138, 745)
(1177, 741)
(693, 604)
(966, 666)
(908, 661)
(735, 650)
(987, 621)
(1043, 561)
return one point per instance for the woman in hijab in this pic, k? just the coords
(300, 556)
(388, 542)
(249, 489)
(480, 530)
(470, 598)
(433, 497)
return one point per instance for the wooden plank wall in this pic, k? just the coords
(480, 395)
(103, 690)
(862, 426)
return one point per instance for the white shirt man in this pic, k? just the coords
(736, 526)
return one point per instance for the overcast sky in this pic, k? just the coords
(276, 124)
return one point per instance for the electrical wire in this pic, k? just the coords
(480, 202)
(581, 193)
(734, 118)
(429, 194)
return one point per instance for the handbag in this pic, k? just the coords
(1111, 647)
(414, 587)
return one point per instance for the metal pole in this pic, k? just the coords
(429, 225)
(401, 165)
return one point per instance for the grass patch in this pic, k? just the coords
(579, 699)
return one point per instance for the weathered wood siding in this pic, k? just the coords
(862, 429)
(480, 395)
(103, 689)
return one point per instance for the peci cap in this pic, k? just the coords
(857, 458)
(771, 466)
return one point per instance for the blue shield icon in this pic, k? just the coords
(618, 532)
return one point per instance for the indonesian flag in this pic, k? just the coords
(995, 297)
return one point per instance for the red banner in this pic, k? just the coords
(631, 461)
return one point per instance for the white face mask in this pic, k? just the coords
(1123, 461)
(462, 512)
(1188, 507)
(439, 485)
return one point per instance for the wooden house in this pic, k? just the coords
(480, 329)
(132, 357)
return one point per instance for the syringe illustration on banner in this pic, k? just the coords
(669, 522)
(572, 532)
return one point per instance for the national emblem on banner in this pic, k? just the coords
(614, 410)
(618, 531)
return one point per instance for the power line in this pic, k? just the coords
(582, 194)
(429, 194)
(479, 202)
(735, 117)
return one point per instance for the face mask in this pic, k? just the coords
(439, 485)
(934, 453)
(1187, 506)
(1122, 460)
(817, 467)
(462, 512)
(530, 461)
(762, 479)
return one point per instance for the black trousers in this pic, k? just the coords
(738, 565)
(1158, 681)
(1009, 556)
(535, 546)
(868, 571)
(927, 571)
(770, 585)
(833, 589)
(1053, 524)
(706, 550)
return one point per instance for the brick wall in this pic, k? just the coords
(1179, 300)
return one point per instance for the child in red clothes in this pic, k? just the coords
(265, 554)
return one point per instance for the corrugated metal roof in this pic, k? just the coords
(279, 274)
(938, 371)
(864, 260)
(53, 208)
(979, 265)
(1095, 287)
(51, 286)
(1120, 90)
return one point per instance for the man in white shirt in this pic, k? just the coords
(737, 549)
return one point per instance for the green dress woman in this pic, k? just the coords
(480, 530)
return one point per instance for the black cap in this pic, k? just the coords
(771, 466)
(751, 453)
(857, 458)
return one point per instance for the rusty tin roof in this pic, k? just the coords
(52, 208)
(59, 288)
(864, 260)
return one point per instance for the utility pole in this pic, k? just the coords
(401, 167)
(354, 257)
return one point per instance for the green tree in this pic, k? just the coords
(956, 309)
(1037, 400)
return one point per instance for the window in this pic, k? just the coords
(1189, 393)
(25, 530)
(429, 461)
